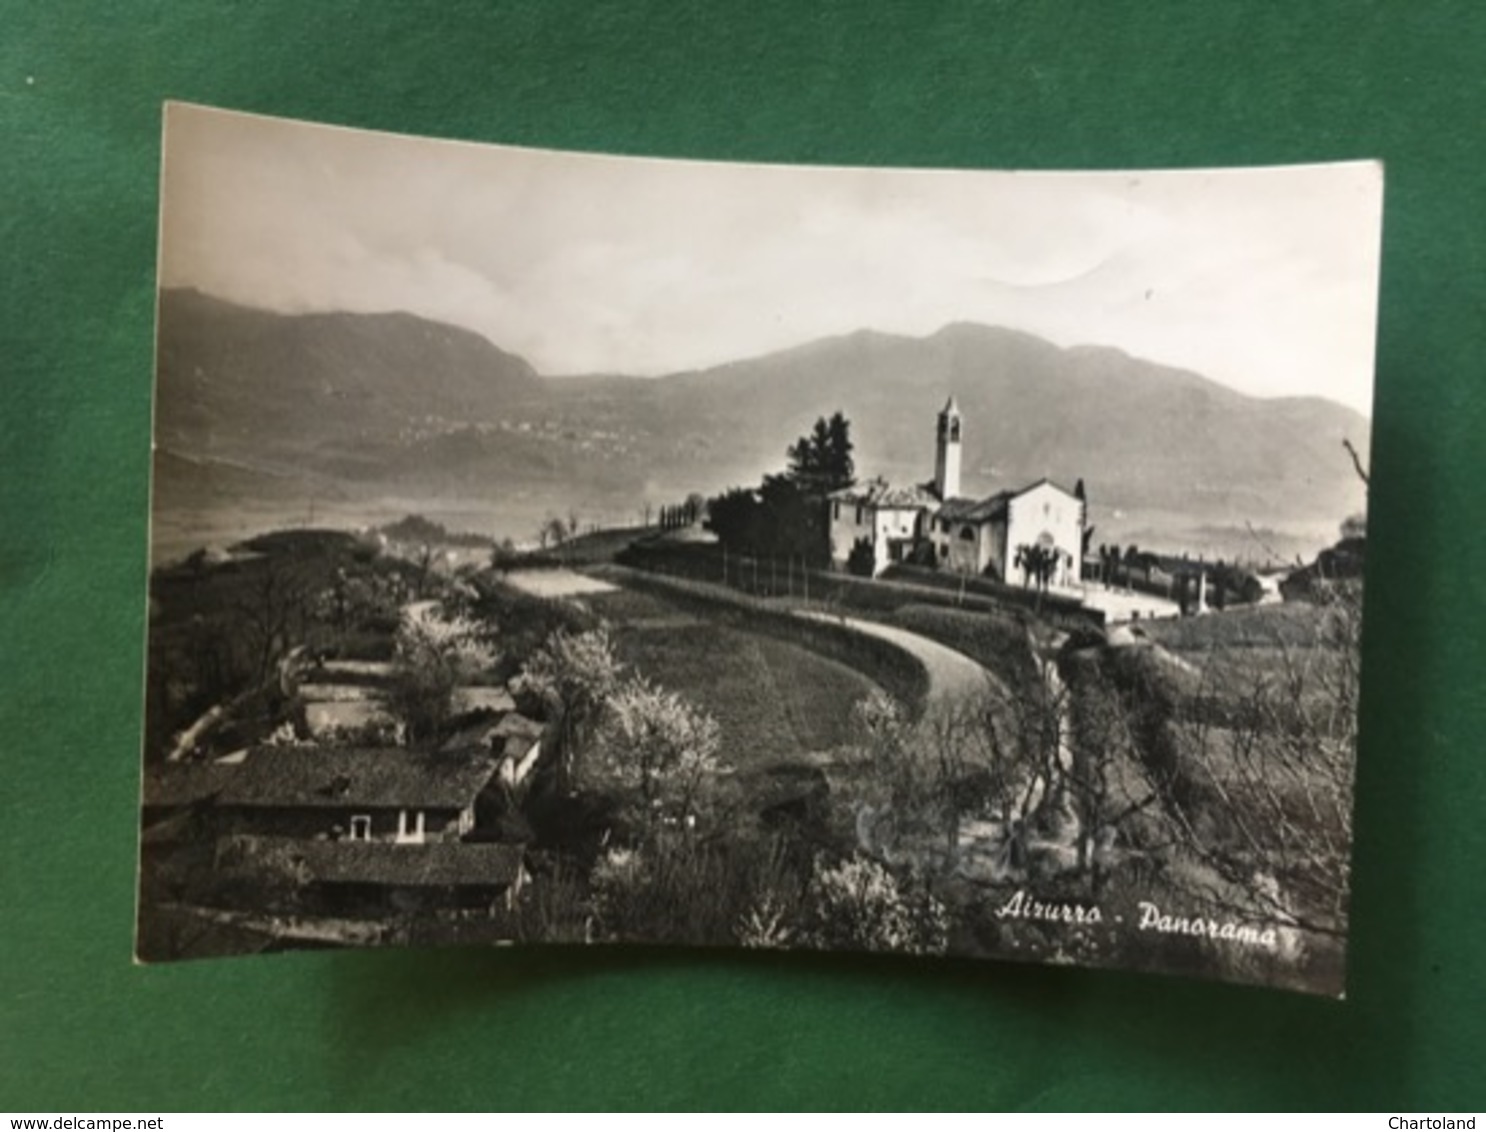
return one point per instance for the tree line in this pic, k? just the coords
(785, 515)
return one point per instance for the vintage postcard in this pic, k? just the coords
(562, 548)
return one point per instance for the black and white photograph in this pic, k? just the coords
(561, 548)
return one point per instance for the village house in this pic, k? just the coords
(349, 697)
(888, 519)
(392, 795)
(513, 740)
(960, 534)
(176, 799)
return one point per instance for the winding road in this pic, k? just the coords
(953, 676)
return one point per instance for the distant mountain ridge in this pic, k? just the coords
(400, 403)
(234, 375)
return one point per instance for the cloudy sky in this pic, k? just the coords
(1265, 280)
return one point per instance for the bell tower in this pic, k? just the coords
(947, 451)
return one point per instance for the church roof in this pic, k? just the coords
(1039, 483)
(951, 407)
(961, 510)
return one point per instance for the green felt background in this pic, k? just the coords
(1018, 84)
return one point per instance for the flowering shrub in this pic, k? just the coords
(572, 675)
(618, 879)
(571, 671)
(858, 904)
(881, 719)
(432, 656)
(658, 752)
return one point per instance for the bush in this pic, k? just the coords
(858, 905)
(861, 561)
(678, 888)
(1055, 608)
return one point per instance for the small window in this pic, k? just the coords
(361, 827)
(836, 509)
(967, 534)
(943, 551)
(859, 514)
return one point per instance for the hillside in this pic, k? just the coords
(234, 382)
(395, 404)
(1141, 434)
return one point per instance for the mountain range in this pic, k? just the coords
(363, 405)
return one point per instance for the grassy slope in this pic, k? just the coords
(1262, 626)
(773, 700)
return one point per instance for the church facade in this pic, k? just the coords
(934, 522)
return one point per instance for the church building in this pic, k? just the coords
(960, 534)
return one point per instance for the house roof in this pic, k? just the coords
(184, 784)
(518, 724)
(488, 735)
(517, 747)
(436, 864)
(882, 495)
(349, 777)
(473, 737)
(442, 863)
(473, 698)
(168, 831)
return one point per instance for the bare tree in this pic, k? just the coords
(271, 615)
(1278, 754)
(982, 754)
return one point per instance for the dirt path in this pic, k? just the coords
(557, 583)
(953, 676)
